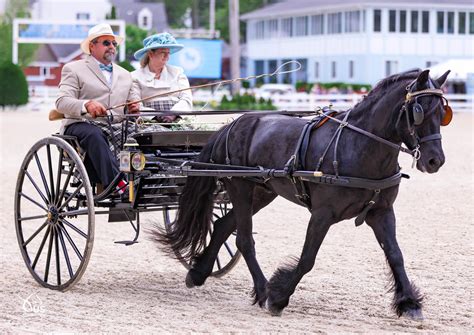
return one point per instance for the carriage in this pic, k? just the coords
(56, 203)
(247, 163)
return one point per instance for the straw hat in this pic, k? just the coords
(157, 41)
(102, 29)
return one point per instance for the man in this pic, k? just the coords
(88, 87)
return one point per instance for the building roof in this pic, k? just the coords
(128, 10)
(291, 7)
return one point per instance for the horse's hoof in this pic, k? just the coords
(413, 314)
(272, 310)
(189, 281)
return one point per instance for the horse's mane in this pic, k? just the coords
(380, 89)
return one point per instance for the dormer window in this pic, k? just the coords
(145, 19)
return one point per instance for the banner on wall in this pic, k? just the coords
(199, 58)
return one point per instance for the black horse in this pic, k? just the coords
(404, 108)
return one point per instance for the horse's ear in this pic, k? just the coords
(423, 78)
(441, 80)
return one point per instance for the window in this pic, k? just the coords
(461, 23)
(403, 21)
(317, 24)
(272, 66)
(287, 27)
(335, 23)
(272, 28)
(450, 23)
(351, 69)
(440, 22)
(430, 63)
(259, 69)
(377, 20)
(301, 75)
(259, 30)
(45, 71)
(301, 26)
(425, 22)
(145, 21)
(352, 22)
(316, 70)
(392, 23)
(286, 77)
(333, 69)
(414, 22)
(391, 67)
(471, 23)
(82, 16)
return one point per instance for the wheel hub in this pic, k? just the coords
(53, 214)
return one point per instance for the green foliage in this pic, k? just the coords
(13, 85)
(175, 11)
(302, 86)
(127, 66)
(345, 86)
(26, 52)
(135, 37)
(245, 102)
(112, 15)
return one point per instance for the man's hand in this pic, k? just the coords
(166, 118)
(95, 108)
(134, 108)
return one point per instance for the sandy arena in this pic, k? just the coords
(139, 289)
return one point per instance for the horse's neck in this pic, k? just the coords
(380, 116)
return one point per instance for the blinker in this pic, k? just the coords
(447, 115)
(418, 114)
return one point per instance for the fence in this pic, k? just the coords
(293, 101)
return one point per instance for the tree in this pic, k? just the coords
(135, 37)
(112, 15)
(13, 85)
(26, 52)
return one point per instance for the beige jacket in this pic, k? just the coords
(172, 78)
(82, 81)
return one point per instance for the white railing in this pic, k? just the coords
(304, 101)
(292, 101)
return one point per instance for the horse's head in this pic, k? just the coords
(424, 111)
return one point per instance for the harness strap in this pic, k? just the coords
(361, 217)
(432, 137)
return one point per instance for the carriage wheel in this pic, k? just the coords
(228, 255)
(54, 214)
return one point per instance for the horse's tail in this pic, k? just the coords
(186, 237)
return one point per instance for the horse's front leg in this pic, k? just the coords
(407, 298)
(285, 279)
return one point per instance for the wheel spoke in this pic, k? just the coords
(33, 201)
(73, 245)
(218, 263)
(66, 255)
(50, 167)
(66, 182)
(229, 250)
(71, 196)
(36, 187)
(70, 225)
(27, 218)
(58, 177)
(40, 249)
(56, 250)
(35, 233)
(43, 178)
(48, 258)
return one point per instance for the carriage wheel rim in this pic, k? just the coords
(54, 225)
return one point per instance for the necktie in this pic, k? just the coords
(106, 67)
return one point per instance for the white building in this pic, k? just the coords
(357, 41)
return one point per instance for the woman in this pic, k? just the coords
(156, 76)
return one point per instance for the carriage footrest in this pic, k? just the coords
(121, 215)
(127, 243)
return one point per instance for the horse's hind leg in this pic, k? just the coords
(283, 282)
(223, 227)
(407, 299)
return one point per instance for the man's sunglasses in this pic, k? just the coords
(107, 43)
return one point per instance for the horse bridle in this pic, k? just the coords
(419, 115)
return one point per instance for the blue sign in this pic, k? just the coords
(199, 58)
